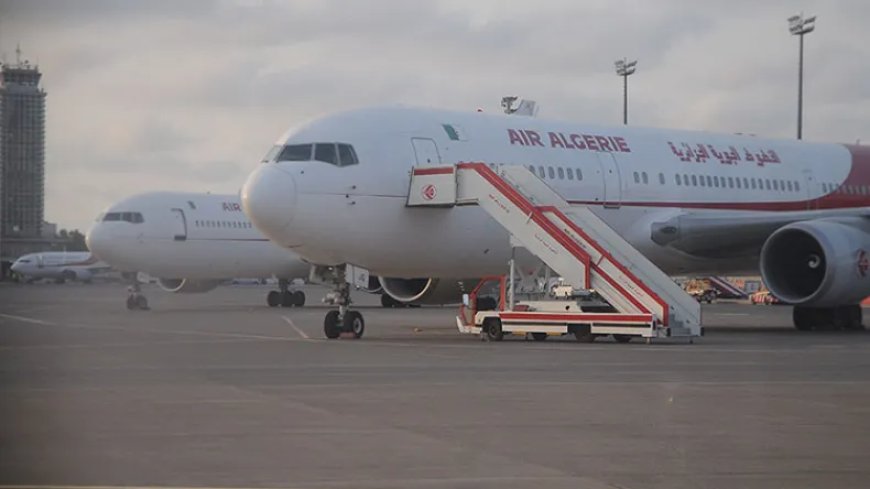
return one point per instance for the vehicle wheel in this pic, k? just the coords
(582, 333)
(539, 336)
(803, 318)
(298, 298)
(142, 302)
(330, 325)
(131, 302)
(622, 338)
(273, 298)
(493, 329)
(354, 323)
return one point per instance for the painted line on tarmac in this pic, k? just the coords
(295, 328)
(181, 332)
(28, 320)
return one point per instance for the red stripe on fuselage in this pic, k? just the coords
(444, 170)
(859, 176)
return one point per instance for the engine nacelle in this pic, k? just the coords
(822, 263)
(81, 274)
(431, 291)
(187, 286)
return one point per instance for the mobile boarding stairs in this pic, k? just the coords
(575, 243)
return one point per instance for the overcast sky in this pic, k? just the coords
(188, 95)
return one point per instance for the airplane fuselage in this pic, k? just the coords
(638, 180)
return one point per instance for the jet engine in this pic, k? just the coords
(819, 263)
(77, 274)
(187, 286)
(430, 291)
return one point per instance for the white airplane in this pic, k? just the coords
(335, 191)
(191, 242)
(59, 266)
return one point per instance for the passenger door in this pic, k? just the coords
(612, 179)
(426, 151)
(179, 225)
(809, 184)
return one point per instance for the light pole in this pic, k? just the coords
(798, 26)
(625, 68)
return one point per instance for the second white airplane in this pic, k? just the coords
(191, 242)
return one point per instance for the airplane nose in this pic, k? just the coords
(97, 241)
(269, 199)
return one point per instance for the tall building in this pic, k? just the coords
(22, 152)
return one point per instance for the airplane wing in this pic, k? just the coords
(731, 235)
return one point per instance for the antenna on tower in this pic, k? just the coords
(18, 53)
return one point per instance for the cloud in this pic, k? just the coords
(189, 95)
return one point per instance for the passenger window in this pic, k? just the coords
(709, 181)
(561, 173)
(701, 179)
(636, 178)
(346, 155)
(662, 178)
(694, 180)
(325, 152)
(551, 173)
(730, 182)
(570, 172)
(532, 168)
(767, 184)
(295, 152)
(715, 180)
(788, 184)
(541, 172)
(645, 179)
(677, 178)
(579, 174)
(745, 182)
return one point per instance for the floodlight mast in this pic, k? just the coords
(625, 68)
(799, 26)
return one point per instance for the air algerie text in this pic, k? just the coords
(588, 142)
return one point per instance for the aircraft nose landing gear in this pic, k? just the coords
(343, 320)
(136, 299)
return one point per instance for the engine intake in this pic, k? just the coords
(823, 262)
(187, 286)
(430, 291)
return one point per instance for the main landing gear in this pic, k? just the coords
(135, 298)
(284, 297)
(847, 318)
(342, 320)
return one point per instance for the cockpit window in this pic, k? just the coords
(295, 152)
(273, 152)
(131, 217)
(325, 152)
(24, 260)
(346, 155)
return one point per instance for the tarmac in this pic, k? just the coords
(217, 390)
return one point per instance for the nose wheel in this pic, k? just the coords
(343, 320)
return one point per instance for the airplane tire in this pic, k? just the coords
(298, 298)
(142, 302)
(287, 299)
(331, 328)
(354, 323)
(273, 298)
